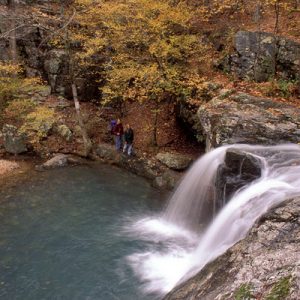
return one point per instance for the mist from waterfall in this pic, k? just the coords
(179, 247)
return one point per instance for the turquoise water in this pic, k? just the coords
(61, 234)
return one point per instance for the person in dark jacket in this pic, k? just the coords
(128, 140)
(118, 133)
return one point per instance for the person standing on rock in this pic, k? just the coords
(128, 136)
(118, 133)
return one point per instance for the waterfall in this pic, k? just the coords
(176, 250)
(195, 196)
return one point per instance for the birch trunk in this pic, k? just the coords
(86, 140)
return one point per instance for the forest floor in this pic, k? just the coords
(171, 135)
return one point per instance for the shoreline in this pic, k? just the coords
(14, 170)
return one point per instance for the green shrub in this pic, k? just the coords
(243, 292)
(38, 123)
(280, 290)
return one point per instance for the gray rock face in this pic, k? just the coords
(56, 66)
(242, 118)
(14, 142)
(259, 55)
(238, 169)
(175, 161)
(266, 263)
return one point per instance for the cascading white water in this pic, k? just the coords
(182, 252)
(190, 202)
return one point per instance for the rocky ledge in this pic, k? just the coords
(164, 170)
(242, 118)
(265, 265)
(231, 118)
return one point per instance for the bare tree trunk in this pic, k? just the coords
(257, 19)
(155, 124)
(12, 35)
(277, 13)
(86, 140)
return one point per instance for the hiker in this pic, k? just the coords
(118, 133)
(111, 128)
(112, 125)
(128, 137)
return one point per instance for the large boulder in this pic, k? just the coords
(58, 161)
(265, 265)
(175, 161)
(14, 142)
(242, 118)
(259, 55)
(107, 152)
(239, 169)
(168, 180)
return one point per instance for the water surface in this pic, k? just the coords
(61, 234)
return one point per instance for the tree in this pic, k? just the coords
(12, 31)
(67, 45)
(149, 48)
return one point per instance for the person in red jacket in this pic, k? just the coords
(118, 133)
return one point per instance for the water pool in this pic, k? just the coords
(61, 234)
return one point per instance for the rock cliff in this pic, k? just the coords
(259, 56)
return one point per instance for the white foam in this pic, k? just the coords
(182, 251)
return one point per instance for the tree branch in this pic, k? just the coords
(60, 29)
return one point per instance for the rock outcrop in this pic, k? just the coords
(259, 55)
(14, 142)
(265, 265)
(56, 66)
(175, 161)
(151, 168)
(242, 118)
(231, 118)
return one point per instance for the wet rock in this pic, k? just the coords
(14, 142)
(266, 261)
(58, 161)
(168, 180)
(175, 161)
(242, 118)
(239, 169)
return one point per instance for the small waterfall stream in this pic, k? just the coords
(177, 248)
